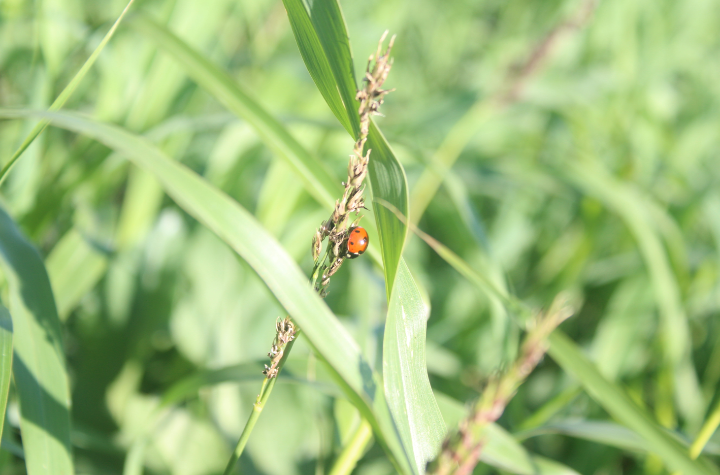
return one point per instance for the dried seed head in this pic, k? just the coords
(316, 244)
(370, 97)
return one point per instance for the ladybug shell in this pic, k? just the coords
(357, 242)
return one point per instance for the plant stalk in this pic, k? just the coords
(262, 398)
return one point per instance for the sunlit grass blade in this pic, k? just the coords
(241, 231)
(407, 387)
(323, 42)
(313, 51)
(353, 451)
(603, 432)
(389, 183)
(623, 409)
(483, 283)
(231, 94)
(74, 266)
(322, 37)
(707, 430)
(6, 353)
(64, 95)
(39, 360)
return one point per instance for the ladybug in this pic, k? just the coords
(357, 242)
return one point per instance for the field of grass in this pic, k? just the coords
(164, 170)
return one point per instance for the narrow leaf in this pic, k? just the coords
(64, 95)
(6, 349)
(39, 359)
(407, 386)
(74, 266)
(622, 408)
(239, 101)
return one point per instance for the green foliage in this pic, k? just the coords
(173, 206)
(39, 358)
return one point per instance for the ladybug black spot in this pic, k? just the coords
(352, 243)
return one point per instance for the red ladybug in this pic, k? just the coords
(357, 242)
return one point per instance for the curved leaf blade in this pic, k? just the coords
(389, 183)
(241, 231)
(218, 83)
(321, 71)
(407, 386)
(624, 410)
(39, 359)
(320, 31)
(6, 350)
(64, 95)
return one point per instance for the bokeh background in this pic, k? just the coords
(584, 139)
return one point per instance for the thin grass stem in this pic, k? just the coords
(353, 451)
(63, 97)
(707, 430)
(265, 390)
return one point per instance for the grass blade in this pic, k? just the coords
(6, 350)
(312, 49)
(407, 386)
(64, 95)
(74, 266)
(603, 432)
(623, 409)
(632, 208)
(218, 83)
(241, 231)
(39, 359)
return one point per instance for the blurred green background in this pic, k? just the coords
(600, 175)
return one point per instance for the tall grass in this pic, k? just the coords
(155, 230)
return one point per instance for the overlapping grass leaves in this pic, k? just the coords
(245, 235)
(64, 95)
(39, 359)
(619, 405)
(6, 349)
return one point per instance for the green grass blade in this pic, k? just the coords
(74, 266)
(605, 433)
(241, 231)
(64, 95)
(623, 409)
(407, 386)
(6, 353)
(218, 83)
(324, 39)
(312, 50)
(39, 359)
(389, 183)
(632, 207)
